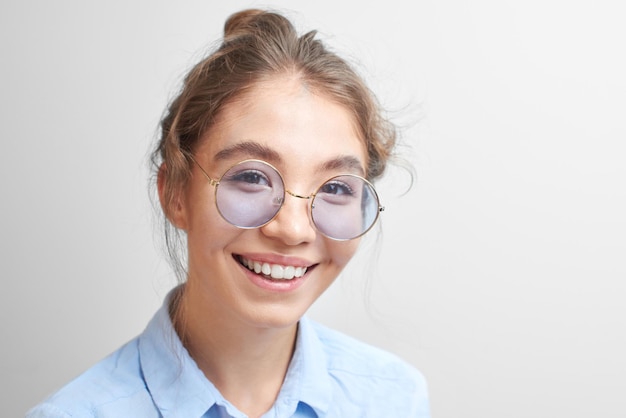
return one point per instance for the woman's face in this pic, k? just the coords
(308, 139)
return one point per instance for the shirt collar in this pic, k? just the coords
(176, 384)
(180, 389)
(307, 378)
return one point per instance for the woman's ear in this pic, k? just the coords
(171, 201)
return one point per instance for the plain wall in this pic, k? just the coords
(501, 275)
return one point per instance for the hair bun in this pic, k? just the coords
(242, 22)
(255, 22)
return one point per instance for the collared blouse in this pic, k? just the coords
(330, 375)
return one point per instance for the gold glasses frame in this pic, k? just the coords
(310, 197)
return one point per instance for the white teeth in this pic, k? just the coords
(275, 271)
(266, 269)
(289, 272)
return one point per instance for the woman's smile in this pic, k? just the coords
(273, 270)
(271, 273)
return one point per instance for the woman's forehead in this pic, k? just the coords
(288, 123)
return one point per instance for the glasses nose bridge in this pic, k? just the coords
(299, 196)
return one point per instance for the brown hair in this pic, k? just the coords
(259, 45)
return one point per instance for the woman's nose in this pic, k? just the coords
(292, 225)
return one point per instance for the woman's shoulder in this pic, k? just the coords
(113, 380)
(348, 355)
(368, 378)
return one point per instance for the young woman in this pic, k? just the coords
(264, 168)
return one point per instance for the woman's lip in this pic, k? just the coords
(276, 259)
(273, 285)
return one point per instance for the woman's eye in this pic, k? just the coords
(251, 177)
(336, 188)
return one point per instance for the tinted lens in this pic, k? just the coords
(345, 207)
(250, 194)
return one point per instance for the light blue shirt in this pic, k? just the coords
(330, 375)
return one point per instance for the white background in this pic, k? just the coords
(501, 275)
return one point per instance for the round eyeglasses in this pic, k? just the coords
(250, 194)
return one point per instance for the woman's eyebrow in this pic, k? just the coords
(249, 149)
(345, 163)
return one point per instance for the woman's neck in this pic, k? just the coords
(246, 364)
